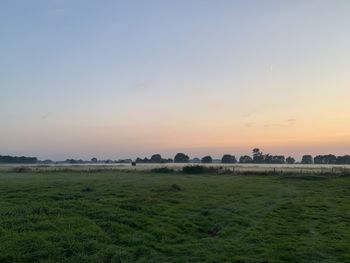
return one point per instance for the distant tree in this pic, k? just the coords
(245, 159)
(306, 159)
(156, 158)
(290, 160)
(325, 159)
(195, 160)
(207, 159)
(20, 160)
(331, 159)
(181, 158)
(318, 159)
(278, 159)
(258, 156)
(267, 158)
(94, 160)
(138, 160)
(228, 158)
(73, 161)
(275, 159)
(343, 159)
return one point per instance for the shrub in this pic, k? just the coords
(162, 170)
(21, 169)
(198, 169)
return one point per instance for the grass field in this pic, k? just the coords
(121, 216)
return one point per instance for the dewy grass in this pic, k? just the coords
(158, 217)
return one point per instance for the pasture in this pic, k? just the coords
(142, 216)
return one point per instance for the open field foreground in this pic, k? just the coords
(126, 216)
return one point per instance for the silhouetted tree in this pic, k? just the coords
(156, 158)
(258, 156)
(343, 159)
(196, 160)
(278, 159)
(20, 160)
(181, 158)
(306, 159)
(94, 160)
(325, 159)
(267, 158)
(47, 162)
(228, 158)
(290, 160)
(73, 161)
(245, 159)
(207, 159)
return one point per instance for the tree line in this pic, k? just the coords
(257, 157)
(15, 159)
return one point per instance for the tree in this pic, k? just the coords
(325, 159)
(15, 159)
(156, 158)
(318, 159)
(228, 158)
(331, 159)
(278, 159)
(138, 160)
(290, 160)
(307, 159)
(258, 156)
(181, 158)
(207, 159)
(343, 159)
(245, 159)
(94, 160)
(195, 160)
(267, 158)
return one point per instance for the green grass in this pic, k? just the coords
(154, 217)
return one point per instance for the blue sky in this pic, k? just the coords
(115, 79)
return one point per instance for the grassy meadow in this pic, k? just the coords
(125, 216)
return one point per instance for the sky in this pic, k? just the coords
(118, 79)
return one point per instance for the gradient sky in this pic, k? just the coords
(117, 79)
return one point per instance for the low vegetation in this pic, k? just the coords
(162, 170)
(199, 169)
